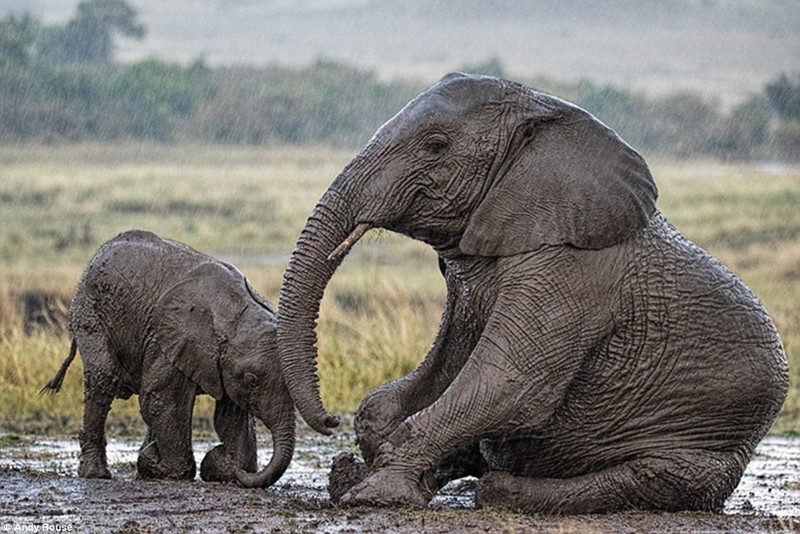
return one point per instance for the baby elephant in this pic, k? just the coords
(155, 318)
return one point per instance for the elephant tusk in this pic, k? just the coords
(345, 246)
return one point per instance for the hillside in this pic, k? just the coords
(721, 48)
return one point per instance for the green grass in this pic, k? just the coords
(382, 308)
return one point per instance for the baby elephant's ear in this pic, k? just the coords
(568, 179)
(194, 319)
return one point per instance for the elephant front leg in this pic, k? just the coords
(167, 411)
(515, 378)
(404, 469)
(235, 428)
(348, 471)
(385, 408)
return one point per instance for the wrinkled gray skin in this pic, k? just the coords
(155, 318)
(589, 358)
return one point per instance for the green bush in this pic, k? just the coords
(325, 102)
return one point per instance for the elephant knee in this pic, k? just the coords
(376, 419)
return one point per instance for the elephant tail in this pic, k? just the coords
(54, 386)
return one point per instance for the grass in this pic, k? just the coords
(247, 205)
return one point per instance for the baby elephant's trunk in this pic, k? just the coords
(282, 429)
(54, 386)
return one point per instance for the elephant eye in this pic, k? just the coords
(251, 380)
(436, 144)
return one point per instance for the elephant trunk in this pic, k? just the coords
(283, 438)
(310, 268)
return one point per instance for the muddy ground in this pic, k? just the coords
(39, 488)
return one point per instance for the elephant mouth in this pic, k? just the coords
(436, 240)
(344, 247)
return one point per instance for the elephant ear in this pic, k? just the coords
(194, 319)
(567, 179)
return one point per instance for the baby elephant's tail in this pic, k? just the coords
(55, 383)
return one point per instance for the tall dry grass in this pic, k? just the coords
(382, 308)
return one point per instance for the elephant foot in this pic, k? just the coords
(387, 488)
(346, 472)
(159, 472)
(93, 469)
(150, 465)
(497, 489)
(218, 466)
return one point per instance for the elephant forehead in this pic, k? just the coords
(424, 111)
(451, 97)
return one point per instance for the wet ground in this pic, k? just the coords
(39, 488)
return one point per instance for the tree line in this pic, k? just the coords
(61, 83)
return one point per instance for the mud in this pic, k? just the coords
(39, 489)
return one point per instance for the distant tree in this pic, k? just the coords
(784, 96)
(88, 38)
(745, 130)
(17, 36)
(156, 93)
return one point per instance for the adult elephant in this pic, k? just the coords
(156, 318)
(589, 359)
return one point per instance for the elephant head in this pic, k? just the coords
(473, 166)
(218, 331)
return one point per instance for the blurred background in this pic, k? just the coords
(683, 77)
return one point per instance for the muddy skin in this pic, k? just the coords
(38, 485)
(155, 318)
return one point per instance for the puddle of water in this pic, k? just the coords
(770, 485)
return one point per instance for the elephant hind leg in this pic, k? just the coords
(93, 462)
(672, 481)
(100, 381)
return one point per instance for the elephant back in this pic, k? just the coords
(711, 326)
(122, 283)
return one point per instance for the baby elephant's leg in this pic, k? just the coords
(93, 463)
(670, 481)
(99, 382)
(166, 404)
(235, 428)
